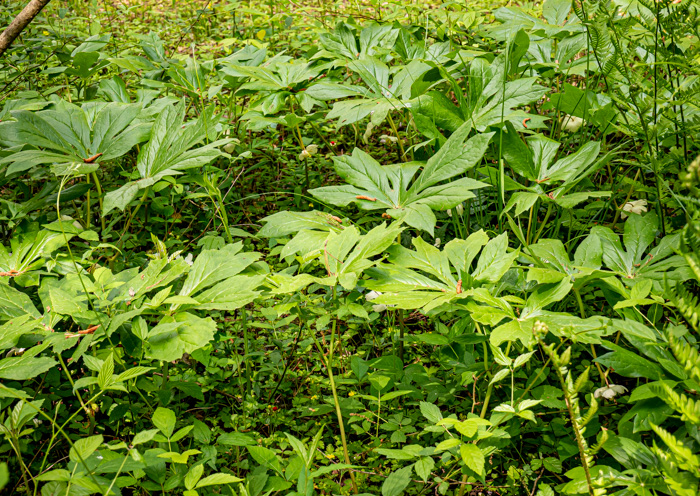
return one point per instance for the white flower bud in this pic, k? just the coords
(636, 207)
(372, 295)
(571, 123)
(308, 151)
(609, 392)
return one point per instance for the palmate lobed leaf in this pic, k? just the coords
(454, 157)
(285, 223)
(175, 336)
(168, 152)
(68, 133)
(373, 186)
(427, 277)
(635, 260)
(344, 254)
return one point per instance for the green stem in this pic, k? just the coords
(582, 311)
(224, 218)
(134, 212)
(485, 407)
(398, 138)
(109, 489)
(320, 135)
(339, 414)
(402, 328)
(98, 186)
(165, 373)
(306, 160)
(544, 223)
(87, 204)
(246, 348)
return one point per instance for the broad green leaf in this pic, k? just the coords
(362, 171)
(519, 157)
(53, 475)
(573, 165)
(544, 296)
(331, 468)
(372, 186)
(230, 294)
(374, 73)
(437, 109)
(164, 419)
(12, 330)
(424, 467)
(522, 201)
(431, 412)
(473, 458)
(132, 373)
(395, 454)
(193, 476)
(341, 42)
(218, 480)
(449, 195)
(334, 91)
(265, 457)
(556, 11)
(285, 223)
(175, 336)
(14, 303)
(454, 157)
(169, 151)
(397, 482)
(463, 252)
(629, 364)
(639, 233)
(589, 253)
(511, 331)
(447, 444)
(499, 376)
(120, 198)
(105, 378)
(419, 216)
(24, 367)
(180, 458)
(494, 261)
(144, 436)
(571, 200)
(467, 427)
(85, 447)
(212, 266)
(236, 439)
(93, 132)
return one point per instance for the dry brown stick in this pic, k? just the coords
(20, 22)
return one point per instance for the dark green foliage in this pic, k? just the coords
(253, 250)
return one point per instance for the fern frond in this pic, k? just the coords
(684, 457)
(687, 304)
(687, 355)
(689, 409)
(690, 248)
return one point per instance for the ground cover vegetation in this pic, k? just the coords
(261, 248)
